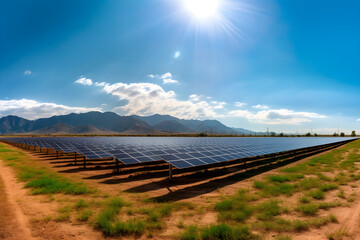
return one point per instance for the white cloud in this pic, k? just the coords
(169, 80)
(166, 75)
(84, 81)
(358, 120)
(218, 105)
(27, 72)
(150, 98)
(166, 78)
(260, 106)
(31, 109)
(239, 104)
(99, 84)
(276, 116)
(194, 97)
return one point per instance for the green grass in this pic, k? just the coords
(268, 210)
(282, 225)
(341, 194)
(224, 205)
(260, 184)
(309, 183)
(236, 208)
(85, 215)
(328, 187)
(55, 184)
(276, 225)
(191, 233)
(283, 237)
(327, 205)
(279, 189)
(166, 208)
(304, 199)
(81, 203)
(63, 217)
(226, 232)
(286, 177)
(308, 209)
(338, 235)
(40, 179)
(317, 194)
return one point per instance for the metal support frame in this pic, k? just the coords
(40, 149)
(170, 172)
(84, 162)
(57, 154)
(75, 158)
(116, 164)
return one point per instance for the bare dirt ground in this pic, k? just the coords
(23, 216)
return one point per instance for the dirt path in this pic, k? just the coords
(351, 223)
(13, 222)
(21, 214)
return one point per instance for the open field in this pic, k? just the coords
(314, 198)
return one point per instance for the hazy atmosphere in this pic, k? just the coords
(290, 66)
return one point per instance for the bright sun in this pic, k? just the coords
(202, 8)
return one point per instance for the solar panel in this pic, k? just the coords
(181, 152)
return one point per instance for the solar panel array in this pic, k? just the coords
(181, 152)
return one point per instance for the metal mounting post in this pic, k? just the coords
(84, 162)
(170, 172)
(75, 159)
(116, 164)
(57, 155)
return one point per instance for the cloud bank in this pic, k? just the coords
(276, 116)
(31, 109)
(150, 98)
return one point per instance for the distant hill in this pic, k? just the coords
(172, 124)
(112, 123)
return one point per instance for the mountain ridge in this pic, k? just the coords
(112, 123)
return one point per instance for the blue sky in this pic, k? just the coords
(278, 64)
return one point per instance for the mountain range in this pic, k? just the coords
(112, 123)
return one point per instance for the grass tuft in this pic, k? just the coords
(54, 184)
(85, 215)
(268, 210)
(308, 209)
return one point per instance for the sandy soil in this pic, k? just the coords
(22, 214)
(24, 218)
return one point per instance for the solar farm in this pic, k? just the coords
(104, 187)
(178, 152)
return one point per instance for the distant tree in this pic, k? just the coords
(335, 134)
(353, 133)
(308, 134)
(281, 135)
(342, 134)
(315, 135)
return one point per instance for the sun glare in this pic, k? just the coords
(202, 8)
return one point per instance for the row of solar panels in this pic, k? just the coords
(180, 152)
